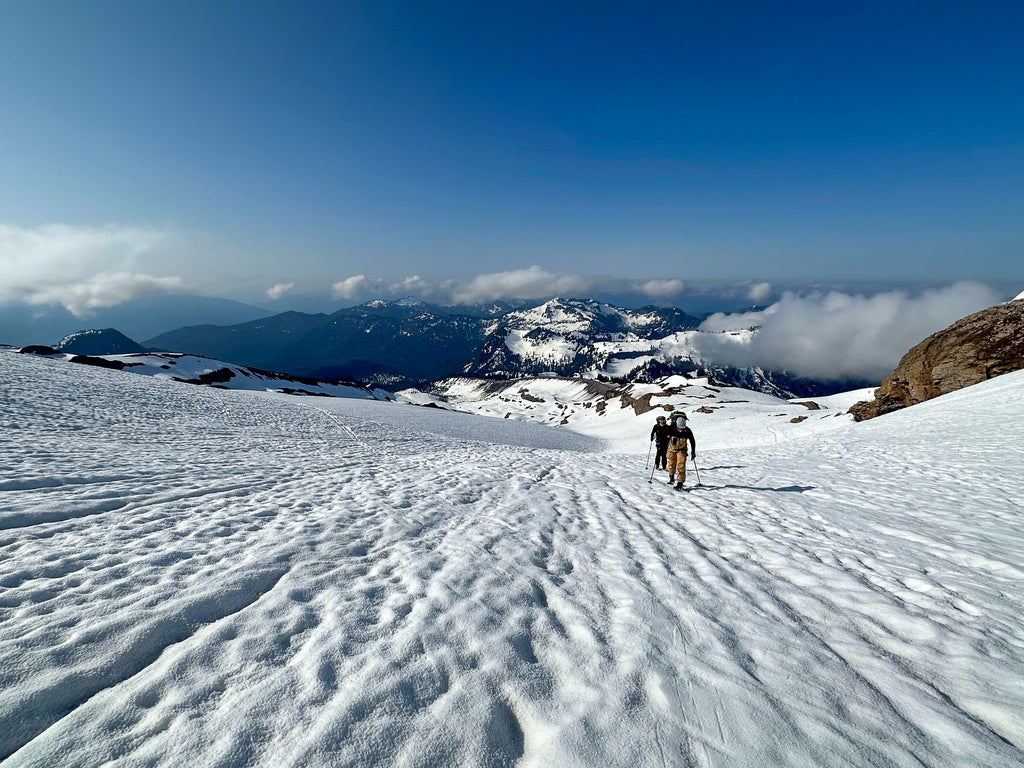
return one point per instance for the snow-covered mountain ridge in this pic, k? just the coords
(569, 336)
(196, 369)
(583, 337)
(231, 578)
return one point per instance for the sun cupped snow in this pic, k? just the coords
(206, 577)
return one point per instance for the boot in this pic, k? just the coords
(671, 479)
(679, 486)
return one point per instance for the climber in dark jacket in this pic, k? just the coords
(678, 436)
(659, 434)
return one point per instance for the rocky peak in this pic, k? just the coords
(570, 316)
(971, 350)
(107, 341)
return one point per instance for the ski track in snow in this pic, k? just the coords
(198, 577)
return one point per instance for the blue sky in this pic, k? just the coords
(227, 147)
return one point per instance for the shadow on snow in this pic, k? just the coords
(786, 489)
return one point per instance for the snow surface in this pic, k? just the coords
(194, 576)
(182, 367)
(554, 350)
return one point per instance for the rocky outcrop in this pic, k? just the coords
(971, 350)
(99, 362)
(39, 349)
(107, 341)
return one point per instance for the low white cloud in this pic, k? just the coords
(531, 283)
(280, 290)
(759, 292)
(82, 268)
(661, 289)
(518, 284)
(415, 285)
(840, 336)
(352, 288)
(106, 289)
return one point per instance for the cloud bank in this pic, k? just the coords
(82, 268)
(531, 283)
(759, 292)
(279, 291)
(840, 336)
(355, 287)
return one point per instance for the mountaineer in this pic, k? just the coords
(678, 436)
(659, 436)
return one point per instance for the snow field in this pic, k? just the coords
(203, 577)
(721, 417)
(183, 367)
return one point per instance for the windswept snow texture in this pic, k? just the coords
(201, 577)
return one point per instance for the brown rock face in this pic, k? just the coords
(971, 350)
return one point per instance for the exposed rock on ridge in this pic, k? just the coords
(107, 341)
(971, 350)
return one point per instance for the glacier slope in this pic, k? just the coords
(207, 577)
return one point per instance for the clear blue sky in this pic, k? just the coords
(308, 142)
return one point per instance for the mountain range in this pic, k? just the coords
(396, 344)
(386, 343)
(575, 354)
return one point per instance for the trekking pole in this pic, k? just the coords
(650, 480)
(648, 462)
(694, 458)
